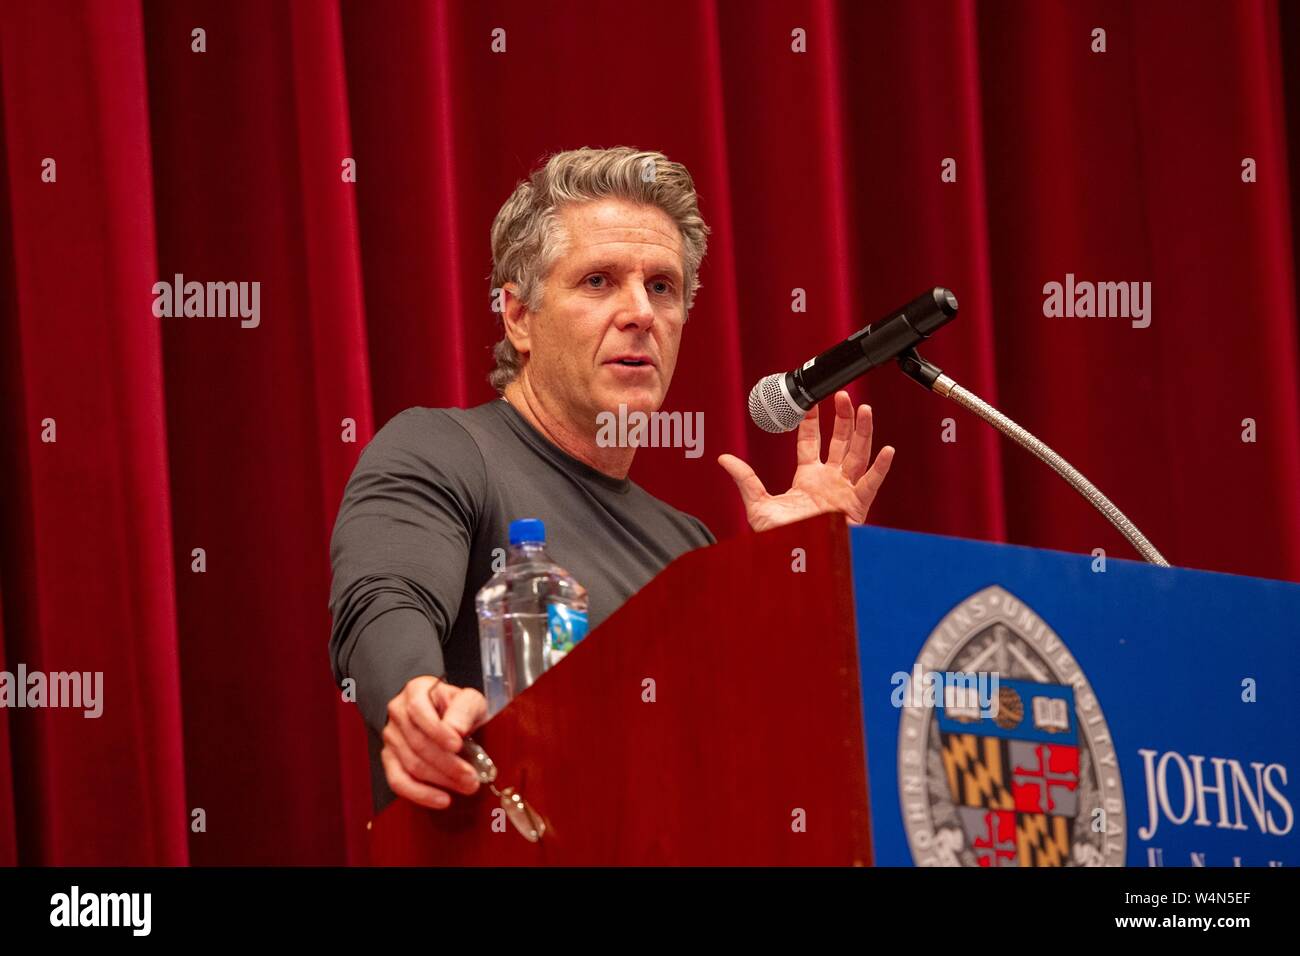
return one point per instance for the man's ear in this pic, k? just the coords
(516, 318)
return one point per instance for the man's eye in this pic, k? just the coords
(662, 287)
(596, 280)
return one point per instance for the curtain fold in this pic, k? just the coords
(175, 535)
(336, 326)
(86, 556)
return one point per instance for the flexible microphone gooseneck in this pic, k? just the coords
(932, 378)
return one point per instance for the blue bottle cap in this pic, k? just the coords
(527, 529)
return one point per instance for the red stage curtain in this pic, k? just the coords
(817, 170)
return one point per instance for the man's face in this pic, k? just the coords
(617, 292)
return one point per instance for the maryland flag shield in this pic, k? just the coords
(1013, 774)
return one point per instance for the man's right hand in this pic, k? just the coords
(424, 733)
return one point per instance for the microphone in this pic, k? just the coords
(779, 402)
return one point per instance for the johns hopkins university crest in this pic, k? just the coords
(1031, 780)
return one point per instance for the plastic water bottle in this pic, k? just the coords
(530, 614)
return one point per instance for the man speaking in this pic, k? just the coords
(597, 257)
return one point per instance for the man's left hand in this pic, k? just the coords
(843, 482)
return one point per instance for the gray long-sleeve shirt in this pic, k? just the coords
(431, 497)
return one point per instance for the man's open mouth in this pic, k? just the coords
(630, 362)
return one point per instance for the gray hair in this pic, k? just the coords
(527, 237)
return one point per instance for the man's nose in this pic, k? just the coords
(636, 306)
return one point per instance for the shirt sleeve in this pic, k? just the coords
(708, 535)
(399, 552)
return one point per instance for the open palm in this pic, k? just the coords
(847, 481)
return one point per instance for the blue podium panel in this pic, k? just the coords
(1037, 708)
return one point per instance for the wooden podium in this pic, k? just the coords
(1141, 716)
(714, 719)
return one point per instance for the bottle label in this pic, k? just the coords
(565, 627)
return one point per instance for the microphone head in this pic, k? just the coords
(772, 407)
